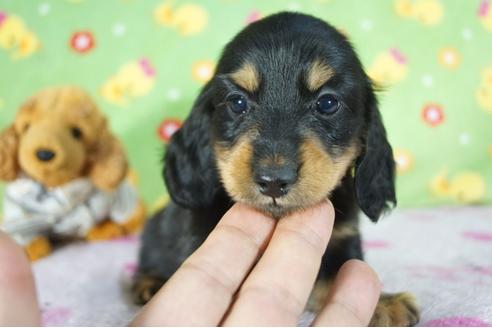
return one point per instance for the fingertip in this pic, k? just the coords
(328, 205)
(353, 297)
(321, 217)
(361, 271)
(15, 264)
(240, 210)
(17, 289)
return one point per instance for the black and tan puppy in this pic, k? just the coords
(289, 119)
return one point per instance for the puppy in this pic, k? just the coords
(289, 119)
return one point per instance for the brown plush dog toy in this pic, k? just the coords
(66, 173)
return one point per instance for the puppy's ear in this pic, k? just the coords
(189, 170)
(375, 167)
(108, 163)
(9, 145)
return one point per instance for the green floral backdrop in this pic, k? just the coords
(144, 62)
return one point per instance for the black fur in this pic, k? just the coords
(375, 168)
(281, 46)
(189, 170)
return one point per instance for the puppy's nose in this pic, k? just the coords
(277, 182)
(45, 155)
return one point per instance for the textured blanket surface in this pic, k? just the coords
(443, 256)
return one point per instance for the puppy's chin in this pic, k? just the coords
(277, 211)
(280, 207)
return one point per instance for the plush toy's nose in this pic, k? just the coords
(45, 155)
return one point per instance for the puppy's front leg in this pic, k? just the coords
(398, 309)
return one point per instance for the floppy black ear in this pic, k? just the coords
(189, 164)
(375, 167)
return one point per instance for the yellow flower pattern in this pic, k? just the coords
(16, 37)
(426, 12)
(145, 62)
(188, 19)
(484, 91)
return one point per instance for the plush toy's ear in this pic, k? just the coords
(108, 164)
(9, 144)
(189, 163)
(375, 167)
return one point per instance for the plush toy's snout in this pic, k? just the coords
(50, 154)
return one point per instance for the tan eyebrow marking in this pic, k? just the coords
(318, 74)
(247, 77)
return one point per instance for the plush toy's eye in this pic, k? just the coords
(327, 104)
(26, 127)
(76, 133)
(238, 104)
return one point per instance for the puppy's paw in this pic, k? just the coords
(145, 287)
(398, 310)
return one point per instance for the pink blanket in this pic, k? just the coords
(443, 256)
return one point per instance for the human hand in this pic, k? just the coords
(18, 302)
(222, 283)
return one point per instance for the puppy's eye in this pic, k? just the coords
(327, 104)
(26, 127)
(76, 133)
(238, 104)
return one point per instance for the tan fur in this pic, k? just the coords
(38, 248)
(247, 77)
(9, 143)
(144, 288)
(319, 294)
(235, 169)
(44, 122)
(319, 173)
(104, 231)
(395, 310)
(108, 162)
(318, 74)
(342, 232)
(272, 160)
(318, 176)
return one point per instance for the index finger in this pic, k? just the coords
(200, 292)
(276, 291)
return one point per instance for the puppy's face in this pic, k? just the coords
(287, 121)
(286, 115)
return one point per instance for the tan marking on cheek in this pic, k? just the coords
(247, 77)
(318, 74)
(235, 169)
(319, 173)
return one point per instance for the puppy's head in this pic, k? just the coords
(287, 115)
(61, 135)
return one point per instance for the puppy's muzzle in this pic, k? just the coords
(275, 182)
